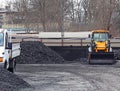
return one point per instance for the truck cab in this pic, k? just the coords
(8, 50)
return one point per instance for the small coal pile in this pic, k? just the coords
(81, 60)
(117, 54)
(11, 82)
(33, 52)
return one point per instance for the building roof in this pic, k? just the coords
(3, 10)
(6, 10)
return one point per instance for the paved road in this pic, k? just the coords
(70, 77)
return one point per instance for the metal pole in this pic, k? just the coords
(62, 21)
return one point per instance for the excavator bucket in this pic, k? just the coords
(101, 58)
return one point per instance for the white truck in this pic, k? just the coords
(8, 50)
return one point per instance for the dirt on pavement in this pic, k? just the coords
(71, 77)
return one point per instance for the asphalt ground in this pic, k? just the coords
(62, 69)
(74, 76)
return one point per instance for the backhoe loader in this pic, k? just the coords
(100, 50)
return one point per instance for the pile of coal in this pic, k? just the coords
(81, 60)
(34, 52)
(11, 82)
(117, 54)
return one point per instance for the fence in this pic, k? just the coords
(66, 41)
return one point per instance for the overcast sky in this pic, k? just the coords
(3, 3)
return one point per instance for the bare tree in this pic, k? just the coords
(46, 14)
(99, 12)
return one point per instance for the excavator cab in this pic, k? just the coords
(100, 50)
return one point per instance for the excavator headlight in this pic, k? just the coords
(1, 59)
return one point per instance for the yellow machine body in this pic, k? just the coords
(100, 46)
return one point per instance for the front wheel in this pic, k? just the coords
(6, 65)
(11, 65)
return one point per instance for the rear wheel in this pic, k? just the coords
(11, 65)
(89, 62)
(6, 65)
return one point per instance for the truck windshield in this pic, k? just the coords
(100, 36)
(1, 39)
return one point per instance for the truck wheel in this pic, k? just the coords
(11, 65)
(6, 65)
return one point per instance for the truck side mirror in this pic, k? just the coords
(89, 36)
(9, 45)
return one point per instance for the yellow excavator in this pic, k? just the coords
(100, 50)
